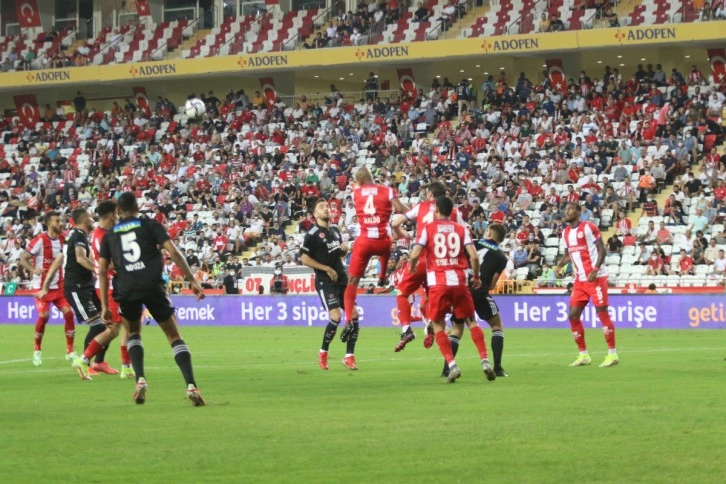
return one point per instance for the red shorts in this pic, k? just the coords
(363, 250)
(55, 297)
(445, 300)
(583, 292)
(411, 281)
(112, 305)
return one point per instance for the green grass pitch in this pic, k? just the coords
(274, 416)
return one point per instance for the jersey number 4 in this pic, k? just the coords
(130, 248)
(444, 244)
(369, 208)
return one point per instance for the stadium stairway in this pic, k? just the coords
(469, 19)
(187, 44)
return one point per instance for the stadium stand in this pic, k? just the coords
(237, 184)
(371, 23)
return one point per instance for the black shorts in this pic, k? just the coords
(331, 295)
(156, 301)
(485, 306)
(84, 301)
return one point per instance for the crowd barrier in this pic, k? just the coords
(647, 311)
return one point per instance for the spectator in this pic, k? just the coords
(685, 264)
(615, 245)
(663, 236)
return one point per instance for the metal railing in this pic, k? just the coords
(442, 27)
(192, 25)
(296, 39)
(515, 27)
(241, 33)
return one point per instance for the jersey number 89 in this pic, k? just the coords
(444, 244)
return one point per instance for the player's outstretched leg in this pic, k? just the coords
(608, 329)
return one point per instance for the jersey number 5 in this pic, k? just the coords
(130, 247)
(444, 244)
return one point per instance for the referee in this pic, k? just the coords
(322, 250)
(492, 264)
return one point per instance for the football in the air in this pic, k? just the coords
(195, 108)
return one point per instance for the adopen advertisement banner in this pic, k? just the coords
(627, 311)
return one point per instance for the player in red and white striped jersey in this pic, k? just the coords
(107, 216)
(37, 259)
(448, 251)
(586, 251)
(374, 205)
(421, 214)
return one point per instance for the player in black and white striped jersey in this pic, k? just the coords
(492, 262)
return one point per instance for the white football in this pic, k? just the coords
(195, 108)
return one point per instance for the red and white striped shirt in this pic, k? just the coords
(423, 213)
(580, 242)
(44, 250)
(96, 238)
(444, 243)
(373, 208)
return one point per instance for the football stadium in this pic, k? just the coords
(195, 193)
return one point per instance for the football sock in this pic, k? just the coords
(404, 310)
(404, 329)
(136, 353)
(94, 329)
(70, 328)
(184, 360)
(477, 336)
(454, 342)
(444, 346)
(497, 345)
(349, 300)
(125, 360)
(578, 333)
(350, 344)
(40, 331)
(329, 334)
(101, 355)
(608, 328)
(92, 349)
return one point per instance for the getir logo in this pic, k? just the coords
(381, 53)
(648, 33)
(49, 76)
(508, 45)
(154, 70)
(262, 61)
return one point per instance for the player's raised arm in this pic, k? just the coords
(399, 206)
(397, 226)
